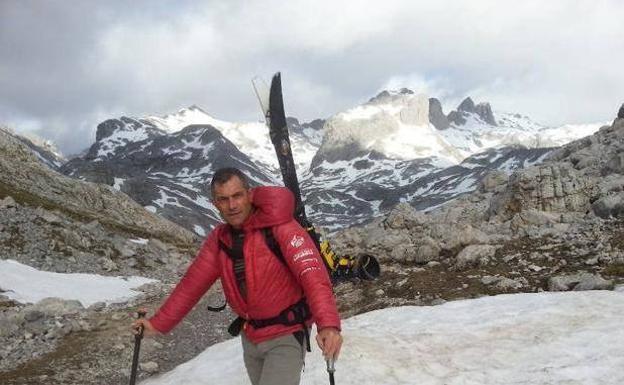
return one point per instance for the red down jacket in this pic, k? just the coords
(271, 285)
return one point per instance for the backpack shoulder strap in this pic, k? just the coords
(272, 244)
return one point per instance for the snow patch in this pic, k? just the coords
(17, 280)
(534, 338)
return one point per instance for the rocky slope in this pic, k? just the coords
(59, 224)
(43, 149)
(168, 173)
(554, 226)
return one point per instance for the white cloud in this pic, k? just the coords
(556, 61)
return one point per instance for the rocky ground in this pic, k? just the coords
(523, 265)
(94, 346)
(556, 226)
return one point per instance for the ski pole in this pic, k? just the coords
(330, 370)
(137, 346)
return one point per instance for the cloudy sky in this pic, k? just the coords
(67, 65)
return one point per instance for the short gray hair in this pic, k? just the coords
(224, 174)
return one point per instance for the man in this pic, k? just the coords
(276, 299)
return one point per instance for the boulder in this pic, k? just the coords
(427, 250)
(404, 216)
(149, 367)
(457, 235)
(474, 255)
(579, 281)
(7, 202)
(57, 307)
(610, 206)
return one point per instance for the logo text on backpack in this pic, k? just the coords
(296, 241)
(302, 253)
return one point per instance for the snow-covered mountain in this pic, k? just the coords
(397, 147)
(251, 138)
(168, 173)
(401, 147)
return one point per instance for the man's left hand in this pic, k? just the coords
(330, 342)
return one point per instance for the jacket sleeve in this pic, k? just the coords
(201, 274)
(306, 264)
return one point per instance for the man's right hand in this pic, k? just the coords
(148, 329)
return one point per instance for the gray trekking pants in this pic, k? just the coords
(275, 362)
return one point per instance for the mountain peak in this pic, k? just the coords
(193, 108)
(483, 110)
(386, 95)
(467, 105)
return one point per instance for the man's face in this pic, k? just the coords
(233, 201)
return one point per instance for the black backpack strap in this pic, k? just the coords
(272, 244)
(297, 313)
(235, 253)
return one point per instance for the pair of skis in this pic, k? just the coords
(339, 267)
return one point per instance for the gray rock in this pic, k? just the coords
(49, 216)
(473, 255)
(58, 307)
(493, 180)
(404, 216)
(467, 105)
(615, 164)
(107, 264)
(484, 110)
(610, 206)
(511, 284)
(8, 327)
(149, 367)
(383, 247)
(7, 202)
(36, 327)
(554, 187)
(126, 251)
(436, 115)
(504, 283)
(489, 279)
(457, 235)
(404, 253)
(427, 250)
(579, 281)
(98, 306)
(457, 117)
(33, 315)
